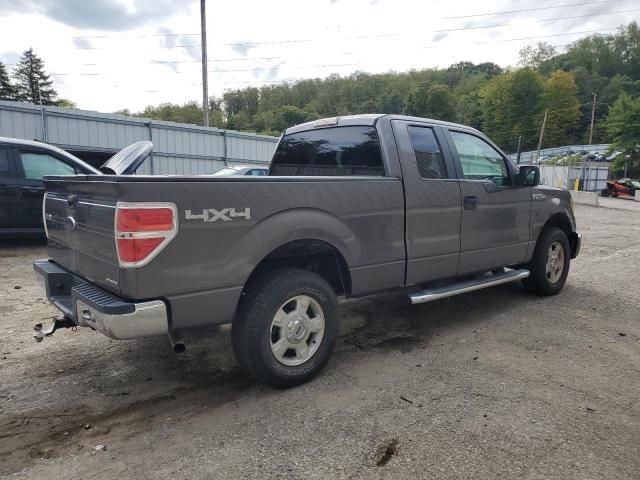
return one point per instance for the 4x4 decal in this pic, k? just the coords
(212, 215)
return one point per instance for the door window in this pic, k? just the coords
(37, 165)
(428, 155)
(480, 161)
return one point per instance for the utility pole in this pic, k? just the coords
(593, 114)
(544, 124)
(203, 49)
(42, 115)
(519, 144)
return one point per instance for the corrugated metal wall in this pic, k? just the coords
(181, 149)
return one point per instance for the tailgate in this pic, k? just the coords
(79, 214)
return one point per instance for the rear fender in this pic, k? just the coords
(290, 225)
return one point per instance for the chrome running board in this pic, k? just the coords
(432, 294)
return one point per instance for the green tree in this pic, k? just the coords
(623, 126)
(534, 56)
(433, 101)
(512, 105)
(290, 115)
(560, 98)
(65, 103)
(32, 83)
(7, 90)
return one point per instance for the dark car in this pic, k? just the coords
(22, 165)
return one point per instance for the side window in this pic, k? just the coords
(257, 172)
(5, 165)
(480, 161)
(428, 154)
(37, 165)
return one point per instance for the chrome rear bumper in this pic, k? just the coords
(148, 319)
(88, 305)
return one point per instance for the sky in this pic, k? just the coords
(107, 55)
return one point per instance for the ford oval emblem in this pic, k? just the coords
(70, 223)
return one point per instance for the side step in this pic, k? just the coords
(468, 286)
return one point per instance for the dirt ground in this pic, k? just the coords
(494, 384)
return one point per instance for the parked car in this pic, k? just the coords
(250, 170)
(624, 187)
(23, 164)
(352, 206)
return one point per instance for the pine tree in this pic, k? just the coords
(7, 90)
(31, 82)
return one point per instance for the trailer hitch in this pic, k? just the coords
(39, 331)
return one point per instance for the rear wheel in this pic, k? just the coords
(286, 327)
(549, 266)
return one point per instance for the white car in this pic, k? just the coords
(242, 170)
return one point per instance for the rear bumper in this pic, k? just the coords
(88, 305)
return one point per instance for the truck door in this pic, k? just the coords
(8, 189)
(495, 215)
(433, 202)
(32, 165)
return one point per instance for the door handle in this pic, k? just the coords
(470, 202)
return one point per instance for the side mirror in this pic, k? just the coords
(529, 176)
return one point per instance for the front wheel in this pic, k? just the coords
(549, 266)
(286, 327)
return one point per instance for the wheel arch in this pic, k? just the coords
(307, 238)
(318, 256)
(562, 221)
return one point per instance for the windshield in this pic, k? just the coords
(329, 151)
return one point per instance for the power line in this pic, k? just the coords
(528, 9)
(233, 70)
(381, 35)
(556, 19)
(548, 36)
(160, 35)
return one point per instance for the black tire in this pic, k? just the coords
(539, 282)
(604, 192)
(252, 331)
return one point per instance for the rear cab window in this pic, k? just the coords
(429, 157)
(335, 151)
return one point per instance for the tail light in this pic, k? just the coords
(142, 230)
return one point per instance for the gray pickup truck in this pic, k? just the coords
(352, 206)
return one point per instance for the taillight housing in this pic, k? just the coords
(142, 230)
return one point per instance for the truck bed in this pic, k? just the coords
(214, 254)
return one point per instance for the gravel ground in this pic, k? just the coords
(495, 384)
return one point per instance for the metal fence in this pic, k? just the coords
(532, 156)
(588, 177)
(182, 149)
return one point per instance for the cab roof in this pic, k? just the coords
(367, 120)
